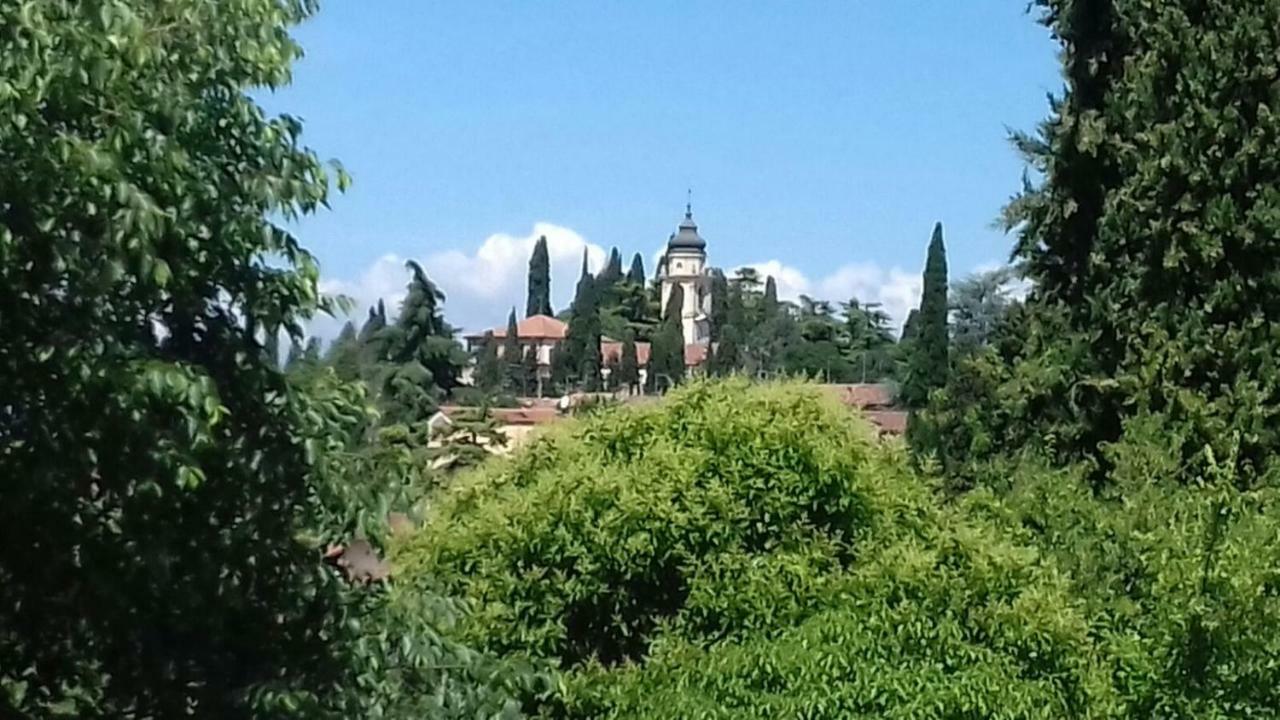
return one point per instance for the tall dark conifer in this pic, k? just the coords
(636, 273)
(513, 356)
(666, 356)
(612, 272)
(929, 360)
(769, 305)
(539, 298)
(629, 366)
(583, 341)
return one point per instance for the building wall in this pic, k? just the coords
(688, 270)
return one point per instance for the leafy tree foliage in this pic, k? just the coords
(754, 553)
(869, 341)
(978, 304)
(165, 487)
(539, 300)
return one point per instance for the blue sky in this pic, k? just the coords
(822, 140)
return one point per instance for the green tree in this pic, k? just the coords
(868, 340)
(157, 483)
(978, 304)
(1152, 278)
(583, 341)
(513, 356)
(489, 368)
(372, 340)
(423, 359)
(612, 271)
(539, 300)
(748, 550)
(635, 275)
(470, 437)
(929, 358)
(911, 328)
(344, 353)
(666, 356)
(532, 373)
(718, 317)
(628, 370)
(769, 305)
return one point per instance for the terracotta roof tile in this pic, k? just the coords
(863, 395)
(538, 327)
(890, 422)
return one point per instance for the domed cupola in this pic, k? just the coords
(687, 238)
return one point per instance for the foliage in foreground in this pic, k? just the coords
(750, 551)
(165, 491)
(1151, 241)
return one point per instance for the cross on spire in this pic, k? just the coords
(688, 205)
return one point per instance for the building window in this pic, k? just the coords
(679, 267)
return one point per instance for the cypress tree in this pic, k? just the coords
(1156, 281)
(583, 341)
(911, 328)
(726, 358)
(769, 306)
(612, 272)
(539, 298)
(628, 370)
(636, 273)
(344, 353)
(489, 368)
(371, 337)
(532, 373)
(666, 356)
(719, 315)
(929, 361)
(513, 356)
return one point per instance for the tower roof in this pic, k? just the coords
(686, 237)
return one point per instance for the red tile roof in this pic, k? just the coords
(538, 327)
(863, 395)
(890, 422)
(513, 416)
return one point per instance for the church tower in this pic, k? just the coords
(685, 264)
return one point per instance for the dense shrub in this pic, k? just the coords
(1181, 581)
(583, 543)
(751, 551)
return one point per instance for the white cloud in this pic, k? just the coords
(896, 290)
(480, 286)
